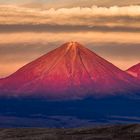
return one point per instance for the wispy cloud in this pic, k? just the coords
(70, 3)
(112, 17)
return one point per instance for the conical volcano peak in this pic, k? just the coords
(73, 45)
(72, 48)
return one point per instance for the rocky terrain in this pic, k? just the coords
(118, 132)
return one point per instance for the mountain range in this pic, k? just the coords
(70, 72)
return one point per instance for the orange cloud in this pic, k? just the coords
(112, 16)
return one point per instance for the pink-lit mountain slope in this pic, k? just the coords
(135, 71)
(70, 71)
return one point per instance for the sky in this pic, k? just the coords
(31, 28)
(70, 3)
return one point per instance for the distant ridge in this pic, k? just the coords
(135, 70)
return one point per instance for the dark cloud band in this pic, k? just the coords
(65, 28)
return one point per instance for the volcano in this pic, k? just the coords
(68, 72)
(135, 70)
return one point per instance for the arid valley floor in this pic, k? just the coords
(118, 132)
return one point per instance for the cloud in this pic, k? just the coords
(83, 37)
(119, 18)
(64, 28)
(118, 51)
(69, 3)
